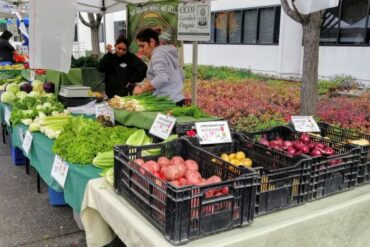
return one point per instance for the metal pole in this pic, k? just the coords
(194, 88)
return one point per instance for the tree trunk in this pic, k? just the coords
(95, 42)
(311, 41)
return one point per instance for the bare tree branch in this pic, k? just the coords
(291, 13)
(83, 20)
(304, 18)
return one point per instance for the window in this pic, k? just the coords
(248, 26)
(221, 27)
(235, 27)
(76, 34)
(119, 29)
(346, 24)
(266, 26)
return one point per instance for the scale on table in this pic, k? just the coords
(72, 96)
(75, 91)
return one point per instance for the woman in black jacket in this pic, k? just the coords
(122, 69)
(6, 49)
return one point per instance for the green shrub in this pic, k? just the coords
(253, 123)
(208, 72)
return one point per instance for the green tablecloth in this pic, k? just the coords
(41, 158)
(144, 120)
(79, 76)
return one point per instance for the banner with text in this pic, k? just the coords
(159, 15)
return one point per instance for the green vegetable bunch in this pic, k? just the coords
(192, 111)
(82, 139)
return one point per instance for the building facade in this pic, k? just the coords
(258, 35)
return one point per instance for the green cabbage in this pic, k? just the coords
(8, 97)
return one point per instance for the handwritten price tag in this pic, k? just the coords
(213, 132)
(7, 114)
(27, 142)
(59, 170)
(103, 109)
(305, 124)
(162, 126)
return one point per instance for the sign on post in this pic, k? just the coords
(59, 171)
(194, 21)
(27, 142)
(213, 132)
(162, 126)
(305, 124)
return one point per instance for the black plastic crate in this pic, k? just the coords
(182, 128)
(329, 175)
(343, 135)
(185, 213)
(284, 180)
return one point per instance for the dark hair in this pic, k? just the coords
(6, 35)
(122, 39)
(148, 33)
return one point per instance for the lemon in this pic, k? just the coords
(225, 157)
(233, 161)
(247, 162)
(231, 156)
(240, 155)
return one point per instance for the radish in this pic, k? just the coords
(213, 180)
(176, 160)
(172, 173)
(140, 162)
(182, 169)
(154, 165)
(164, 161)
(191, 165)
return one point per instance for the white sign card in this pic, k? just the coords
(20, 134)
(7, 114)
(59, 171)
(27, 142)
(305, 124)
(194, 21)
(162, 126)
(213, 132)
(103, 109)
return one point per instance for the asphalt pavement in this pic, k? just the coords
(26, 217)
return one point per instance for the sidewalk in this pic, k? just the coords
(26, 217)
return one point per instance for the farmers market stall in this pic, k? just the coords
(340, 220)
(42, 158)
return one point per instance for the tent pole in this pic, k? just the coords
(194, 89)
(105, 32)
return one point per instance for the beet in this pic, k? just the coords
(49, 87)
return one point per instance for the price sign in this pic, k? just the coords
(27, 142)
(103, 109)
(7, 114)
(162, 126)
(20, 134)
(213, 132)
(305, 124)
(59, 171)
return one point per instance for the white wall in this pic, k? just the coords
(345, 61)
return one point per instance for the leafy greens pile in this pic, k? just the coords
(82, 139)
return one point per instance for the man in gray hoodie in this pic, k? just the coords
(164, 75)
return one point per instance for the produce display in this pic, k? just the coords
(303, 145)
(179, 173)
(192, 111)
(143, 102)
(18, 66)
(237, 159)
(6, 78)
(82, 139)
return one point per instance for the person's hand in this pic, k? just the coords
(109, 48)
(138, 90)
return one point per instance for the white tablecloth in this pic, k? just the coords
(340, 220)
